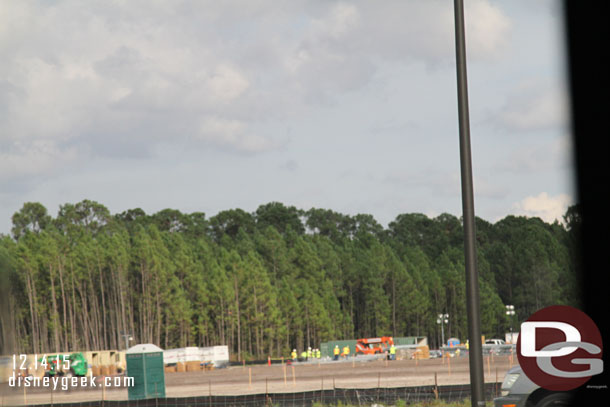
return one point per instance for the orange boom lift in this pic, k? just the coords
(373, 346)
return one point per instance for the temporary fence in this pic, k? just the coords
(387, 396)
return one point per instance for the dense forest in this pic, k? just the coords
(266, 282)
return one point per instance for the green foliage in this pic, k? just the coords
(32, 217)
(266, 282)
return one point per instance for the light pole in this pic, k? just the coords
(510, 311)
(472, 276)
(127, 338)
(442, 320)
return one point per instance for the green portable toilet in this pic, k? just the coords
(145, 365)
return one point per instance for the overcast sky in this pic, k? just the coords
(350, 106)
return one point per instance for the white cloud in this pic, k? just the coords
(227, 83)
(338, 22)
(424, 30)
(35, 158)
(535, 105)
(487, 30)
(136, 73)
(548, 208)
(344, 44)
(121, 80)
(484, 187)
(233, 134)
(528, 158)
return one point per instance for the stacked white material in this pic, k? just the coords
(189, 354)
(218, 355)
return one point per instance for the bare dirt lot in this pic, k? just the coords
(277, 378)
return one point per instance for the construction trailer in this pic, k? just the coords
(20, 367)
(106, 362)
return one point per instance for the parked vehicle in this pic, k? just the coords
(73, 364)
(373, 346)
(78, 364)
(495, 342)
(519, 391)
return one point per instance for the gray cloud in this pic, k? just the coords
(289, 165)
(147, 87)
(534, 105)
(116, 78)
(443, 183)
(552, 155)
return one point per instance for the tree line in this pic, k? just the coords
(266, 282)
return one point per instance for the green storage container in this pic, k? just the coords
(326, 348)
(145, 365)
(406, 340)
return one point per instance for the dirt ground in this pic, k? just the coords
(307, 376)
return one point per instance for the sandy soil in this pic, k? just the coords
(282, 378)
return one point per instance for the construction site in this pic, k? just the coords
(208, 373)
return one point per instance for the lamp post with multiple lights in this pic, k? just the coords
(442, 320)
(510, 312)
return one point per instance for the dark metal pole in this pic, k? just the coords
(472, 280)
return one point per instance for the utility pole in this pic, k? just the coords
(472, 281)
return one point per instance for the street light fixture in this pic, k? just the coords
(510, 311)
(442, 320)
(127, 337)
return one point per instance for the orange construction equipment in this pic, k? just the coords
(373, 346)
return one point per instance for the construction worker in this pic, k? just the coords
(336, 352)
(309, 353)
(293, 355)
(303, 356)
(392, 352)
(346, 351)
(318, 354)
